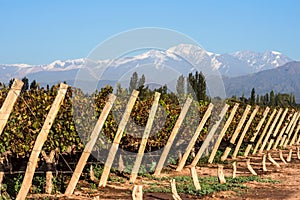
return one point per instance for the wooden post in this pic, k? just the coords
(291, 131)
(264, 162)
(258, 127)
(221, 176)
(137, 192)
(90, 145)
(9, 102)
(289, 158)
(49, 162)
(250, 167)
(272, 160)
(236, 132)
(270, 131)
(264, 132)
(277, 129)
(40, 140)
(174, 190)
(280, 135)
(281, 157)
(1, 173)
(286, 133)
(195, 178)
(223, 131)
(298, 153)
(139, 156)
(234, 169)
(92, 175)
(210, 136)
(115, 145)
(194, 138)
(295, 134)
(237, 148)
(170, 141)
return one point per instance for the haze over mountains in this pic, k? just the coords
(241, 70)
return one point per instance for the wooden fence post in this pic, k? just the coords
(49, 162)
(285, 134)
(270, 131)
(295, 134)
(291, 131)
(9, 102)
(223, 131)
(277, 129)
(194, 138)
(264, 132)
(236, 132)
(258, 127)
(89, 146)
(139, 156)
(209, 136)
(237, 148)
(281, 133)
(40, 140)
(195, 178)
(115, 145)
(170, 141)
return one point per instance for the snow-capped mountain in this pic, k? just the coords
(182, 58)
(262, 61)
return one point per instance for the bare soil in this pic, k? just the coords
(288, 186)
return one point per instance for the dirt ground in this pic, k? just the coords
(288, 186)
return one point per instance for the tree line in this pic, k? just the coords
(269, 99)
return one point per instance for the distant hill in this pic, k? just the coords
(284, 79)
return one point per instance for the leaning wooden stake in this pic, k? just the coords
(270, 131)
(298, 153)
(194, 138)
(264, 132)
(250, 167)
(295, 135)
(264, 162)
(174, 190)
(209, 136)
(221, 176)
(49, 176)
(234, 169)
(278, 139)
(170, 141)
(237, 148)
(41, 138)
(137, 192)
(9, 102)
(89, 146)
(287, 131)
(277, 129)
(195, 178)
(236, 133)
(1, 173)
(291, 131)
(258, 127)
(139, 156)
(289, 158)
(272, 160)
(115, 145)
(281, 157)
(223, 131)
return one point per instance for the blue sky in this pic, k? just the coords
(38, 32)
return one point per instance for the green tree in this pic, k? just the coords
(252, 97)
(133, 82)
(141, 82)
(26, 84)
(272, 98)
(180, 85)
